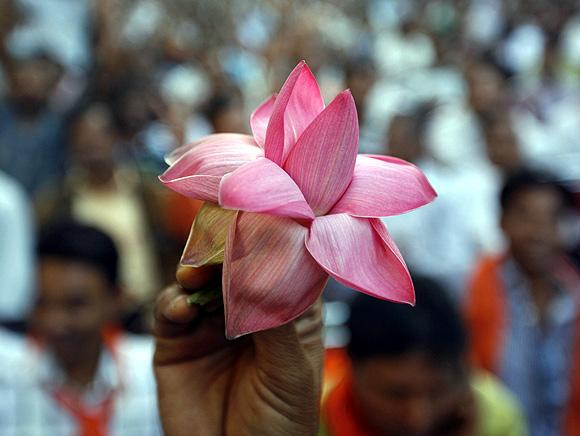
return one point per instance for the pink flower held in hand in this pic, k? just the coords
(307, 207)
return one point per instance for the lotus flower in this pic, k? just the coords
(294, 204)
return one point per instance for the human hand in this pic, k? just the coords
(267, 383)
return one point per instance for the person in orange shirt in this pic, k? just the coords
(406, 373)
(523, 307)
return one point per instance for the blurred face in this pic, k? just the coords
(92, 140)
(31, 85)
(135, 113)
(74, 303)
(403, 141)
(501, 145)
(485, 87)
(408, 395)
(531, 222)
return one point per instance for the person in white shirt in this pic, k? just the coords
(77, 373)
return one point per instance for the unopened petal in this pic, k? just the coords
(269, 278)
(322, 161)
(359, 253)
(297, 104)
(259, 120)
(384, 186)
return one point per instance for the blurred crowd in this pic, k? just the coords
(482, 95)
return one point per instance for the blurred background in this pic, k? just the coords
(93, 94)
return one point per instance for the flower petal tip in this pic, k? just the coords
(376, 268)
(165, 179)
(231, 336)
(346, 99)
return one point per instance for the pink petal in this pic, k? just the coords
(259, 119)
(359, 253)
(384, 186)
(262, 186)
(297, 104)
(268, 278)
(322, 161)
(171, 157)
(198, 172)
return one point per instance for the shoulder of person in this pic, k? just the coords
(133, 347)
(135, 357)
(498, 410)
(16, 358)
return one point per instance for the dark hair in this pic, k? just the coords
(78, 242)
(434, 326)
(526, 179)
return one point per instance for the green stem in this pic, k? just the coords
(204, 296)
